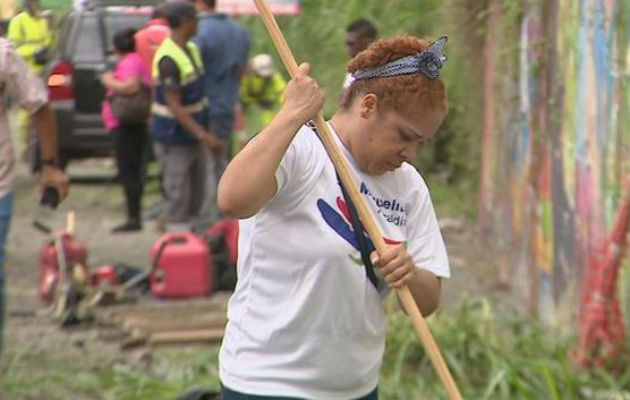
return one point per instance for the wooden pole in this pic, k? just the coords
(364, 212)
(70, 222)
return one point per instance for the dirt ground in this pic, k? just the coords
(34, 345)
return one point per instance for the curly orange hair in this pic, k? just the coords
(403, 93)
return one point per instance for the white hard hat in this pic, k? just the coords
(262, 65)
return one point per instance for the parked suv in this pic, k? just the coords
(84, 51)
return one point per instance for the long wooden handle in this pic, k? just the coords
(364, 212)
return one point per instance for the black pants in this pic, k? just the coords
(129, 144)
(229, 394)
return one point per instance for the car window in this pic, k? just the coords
(63, 40)
(89, 45)
(118, 22)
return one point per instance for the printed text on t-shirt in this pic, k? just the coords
(391, 210)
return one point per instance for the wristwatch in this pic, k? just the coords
(52, 162)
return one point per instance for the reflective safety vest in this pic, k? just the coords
(265, 92)
(164, 127)
(29, 35)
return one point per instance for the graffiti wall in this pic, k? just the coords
(556, 145)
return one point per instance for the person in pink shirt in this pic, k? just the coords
(129, 138)
(151, 36)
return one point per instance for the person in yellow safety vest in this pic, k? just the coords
(31, 36)
(180, 118)
(261, 92)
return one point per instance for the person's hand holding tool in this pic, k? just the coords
(396, 265)
(53, 177)
(303, 97)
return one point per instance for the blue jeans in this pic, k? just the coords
(229, 394)
(6, 208)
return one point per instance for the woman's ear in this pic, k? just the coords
(368, 105)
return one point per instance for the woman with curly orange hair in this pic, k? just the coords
(306, 320)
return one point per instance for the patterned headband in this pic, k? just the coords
(428, 62)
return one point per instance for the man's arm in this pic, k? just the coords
(170, 80)
(30, 93)
(173, 99)
(45, 122)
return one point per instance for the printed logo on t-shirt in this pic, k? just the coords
(392, 210)
(340, 221)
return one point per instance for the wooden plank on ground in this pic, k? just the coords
(155, 308)
(192, 336)
(166, 322)
(174, 322)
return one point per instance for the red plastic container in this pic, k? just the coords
(75, 253)
(105, 275)
(181, 266)
(228, 229)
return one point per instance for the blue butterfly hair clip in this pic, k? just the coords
(427, 62)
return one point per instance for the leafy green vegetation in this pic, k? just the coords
(31, 374)
(490, 356)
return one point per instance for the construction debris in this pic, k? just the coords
(155, 322)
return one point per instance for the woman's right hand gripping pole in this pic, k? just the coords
(302, 98)
(249, 182)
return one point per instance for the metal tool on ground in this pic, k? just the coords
(364, 212)
(47, 206)
(72, 284)
(61, 252)
(119, 283)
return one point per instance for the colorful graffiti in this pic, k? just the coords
(552, 179)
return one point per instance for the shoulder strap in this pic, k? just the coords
(366, 250)
(192, 53)
(364, 247)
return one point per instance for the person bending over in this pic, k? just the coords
(306, 320)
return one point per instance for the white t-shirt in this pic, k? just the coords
(28, 91)
(304, 320)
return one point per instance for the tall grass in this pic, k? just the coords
(493, 357)
(35, 374)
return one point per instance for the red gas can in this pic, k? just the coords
(74, 252)
(181, 266)
(104, 275)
